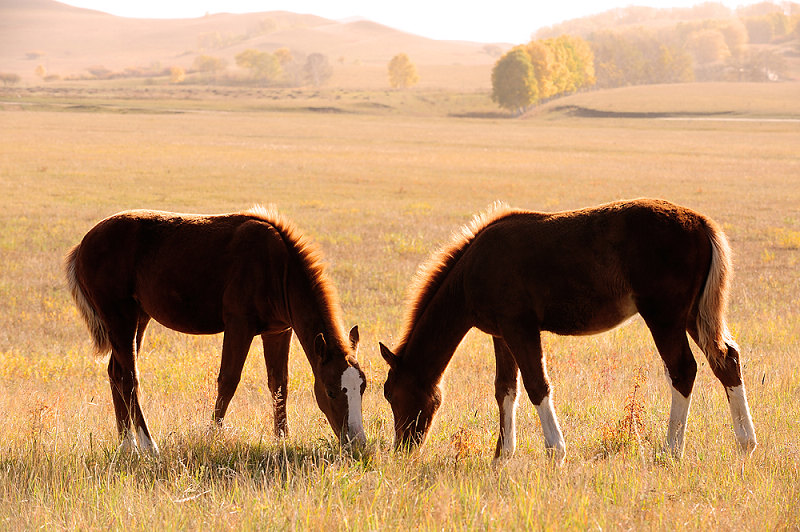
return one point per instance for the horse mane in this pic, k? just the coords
(309, 255)
(432, 273)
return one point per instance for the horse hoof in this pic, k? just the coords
(557, 455)
(747, 447)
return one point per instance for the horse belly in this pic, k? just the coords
(585, 315)
(192, 310)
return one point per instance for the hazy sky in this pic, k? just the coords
(474, 20)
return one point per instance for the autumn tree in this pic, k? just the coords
(638, 58)
(176, 74)
(541, 70)
(514, 85)
(735, 34)
(284, 56)
(708, 46)
(402, 72)
(579, 59)
(262, 65)
(208, 63)
(756, 65)
(317, 69)
(9, 78)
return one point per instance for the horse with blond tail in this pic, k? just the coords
(513, 273)
(244, 274)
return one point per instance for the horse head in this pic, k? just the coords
(339, 385)
(413, 404)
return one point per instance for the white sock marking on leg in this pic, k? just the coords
(128, 442)
(351, 384)
(145, 443)
(554, 440)
(678, 417)
(742, 421)
(510, 422)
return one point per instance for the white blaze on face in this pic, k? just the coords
(351, 385)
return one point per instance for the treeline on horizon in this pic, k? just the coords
(707, 42)
(639, 45)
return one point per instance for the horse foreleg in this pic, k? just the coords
(506, 391)
(235, 345)
(276, 357)
(526, 346)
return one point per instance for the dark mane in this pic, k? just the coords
(431, 273)
(310, 258)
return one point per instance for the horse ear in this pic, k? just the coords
(321, 348)
(354, 338)
(388, 356)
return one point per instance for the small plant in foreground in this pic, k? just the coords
(630, 430)
(465, 442)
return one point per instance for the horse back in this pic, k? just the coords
(186, 271)
(585, 271)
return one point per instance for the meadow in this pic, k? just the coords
(380, 180)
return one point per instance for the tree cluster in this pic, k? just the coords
(284, 68)
(9, 78)
(637, 58)
(280, 68)
(707, 50)
(542, 70)
(637, 45)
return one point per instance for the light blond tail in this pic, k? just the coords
(97, 329)
(712, 328)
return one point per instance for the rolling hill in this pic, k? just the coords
(66, 41)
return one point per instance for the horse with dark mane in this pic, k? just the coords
(513, 273)
(244, 274)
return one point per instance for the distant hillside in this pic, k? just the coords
(64, 42)
(624, 18)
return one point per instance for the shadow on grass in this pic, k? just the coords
(211, 460)
(216, 459)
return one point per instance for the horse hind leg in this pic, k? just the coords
(726, 366)
(673, 346)
(506, 392)
(276, 357)
(123, 377)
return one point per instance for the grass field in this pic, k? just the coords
(380, 186)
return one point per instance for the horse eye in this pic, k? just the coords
(331, 394)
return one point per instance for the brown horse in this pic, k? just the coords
(513, 273)
(244, 274)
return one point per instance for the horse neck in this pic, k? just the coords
(309, 315)
(436, 334)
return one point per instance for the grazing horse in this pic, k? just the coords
(244, 274)
(513, 273)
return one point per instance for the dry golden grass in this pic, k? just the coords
(380, 191)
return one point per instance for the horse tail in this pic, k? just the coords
(712, 329)
(97, 328)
